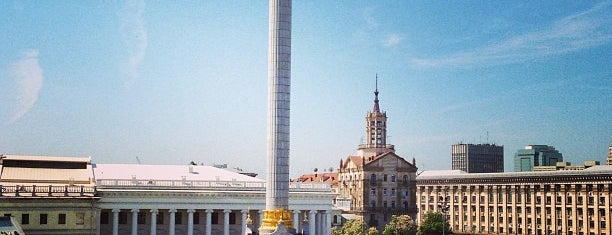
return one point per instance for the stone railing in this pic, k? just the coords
(47, 191)
(202, 184)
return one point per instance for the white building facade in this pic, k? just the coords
(164, 199)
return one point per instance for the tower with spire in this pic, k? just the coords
(376, 131)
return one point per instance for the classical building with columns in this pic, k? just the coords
(70, 195)
(572, 202)
(169, 199)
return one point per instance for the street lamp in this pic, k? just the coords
(444, 208)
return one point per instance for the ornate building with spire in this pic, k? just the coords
(376, 183)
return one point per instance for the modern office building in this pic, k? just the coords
(536, 155)
(571, 202)
(477, 158)
(376, 183)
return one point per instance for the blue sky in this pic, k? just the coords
(187, 81)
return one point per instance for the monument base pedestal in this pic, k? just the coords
(277, 222)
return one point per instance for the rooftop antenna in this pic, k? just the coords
(138, 160)
(487, 137)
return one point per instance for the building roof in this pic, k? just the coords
(433, 173)
(330, 178)
(44, 158)
(168, 172)
(25, 170)
(450, 175)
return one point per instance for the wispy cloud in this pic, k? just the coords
(575, 32)
(393, 40)
(29, 77)
(134, 32)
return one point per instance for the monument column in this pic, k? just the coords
(226, 214)
(279, 83)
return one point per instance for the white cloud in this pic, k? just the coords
(580, 31)
(29, 78)
(134, 33)
(393, 40)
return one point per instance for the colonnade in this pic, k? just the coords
(307, 222)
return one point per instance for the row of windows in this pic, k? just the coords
(44, 218)
(538, 199)
(373, 192)
(373, 178)
(105, 217)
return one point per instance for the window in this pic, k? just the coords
(142, 218)
(178, 218)
(61, 219)
(43, 219)
(25, 218)
(393, 192)
(405, 178)
(385, 204)
(232, 218)
(373, 178)
(159, 219)
(196, 218)
(385, 191)
(393, 178)
(80, 218)
(215, 218)
(122, 217)
(373, 191)
(385, 177)
(103, 217)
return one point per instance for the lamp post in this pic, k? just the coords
(444, 208)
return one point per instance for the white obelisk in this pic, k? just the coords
(279, 83)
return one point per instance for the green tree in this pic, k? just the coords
(400, 225)
(372, 231)
(433, 224)
(355, 227)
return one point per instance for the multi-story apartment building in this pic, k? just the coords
(536, 155)
(477, 158)
(376, 183)
(572, 202)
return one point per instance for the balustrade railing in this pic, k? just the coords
(208, 184)
(47, 191)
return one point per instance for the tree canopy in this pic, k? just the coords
(355, 227)
(400, 225)
(433, 224)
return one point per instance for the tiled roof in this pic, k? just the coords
(331, 178)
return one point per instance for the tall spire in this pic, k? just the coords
(376, 107)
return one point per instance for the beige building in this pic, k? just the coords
(48, 195)
(610, 155)
(572, 202)
(376, 183)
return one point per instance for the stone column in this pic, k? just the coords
(154, 221)
(98, 212)
(226, 213)
(208, 221)
(243, 222)
(190, 221)
(116, 221)
(312, 219)
(171, 221)
(296, 220)
(261, 217)
(135, 221)
(327, 224)
(319, 224)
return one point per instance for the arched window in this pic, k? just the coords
(405, 178)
